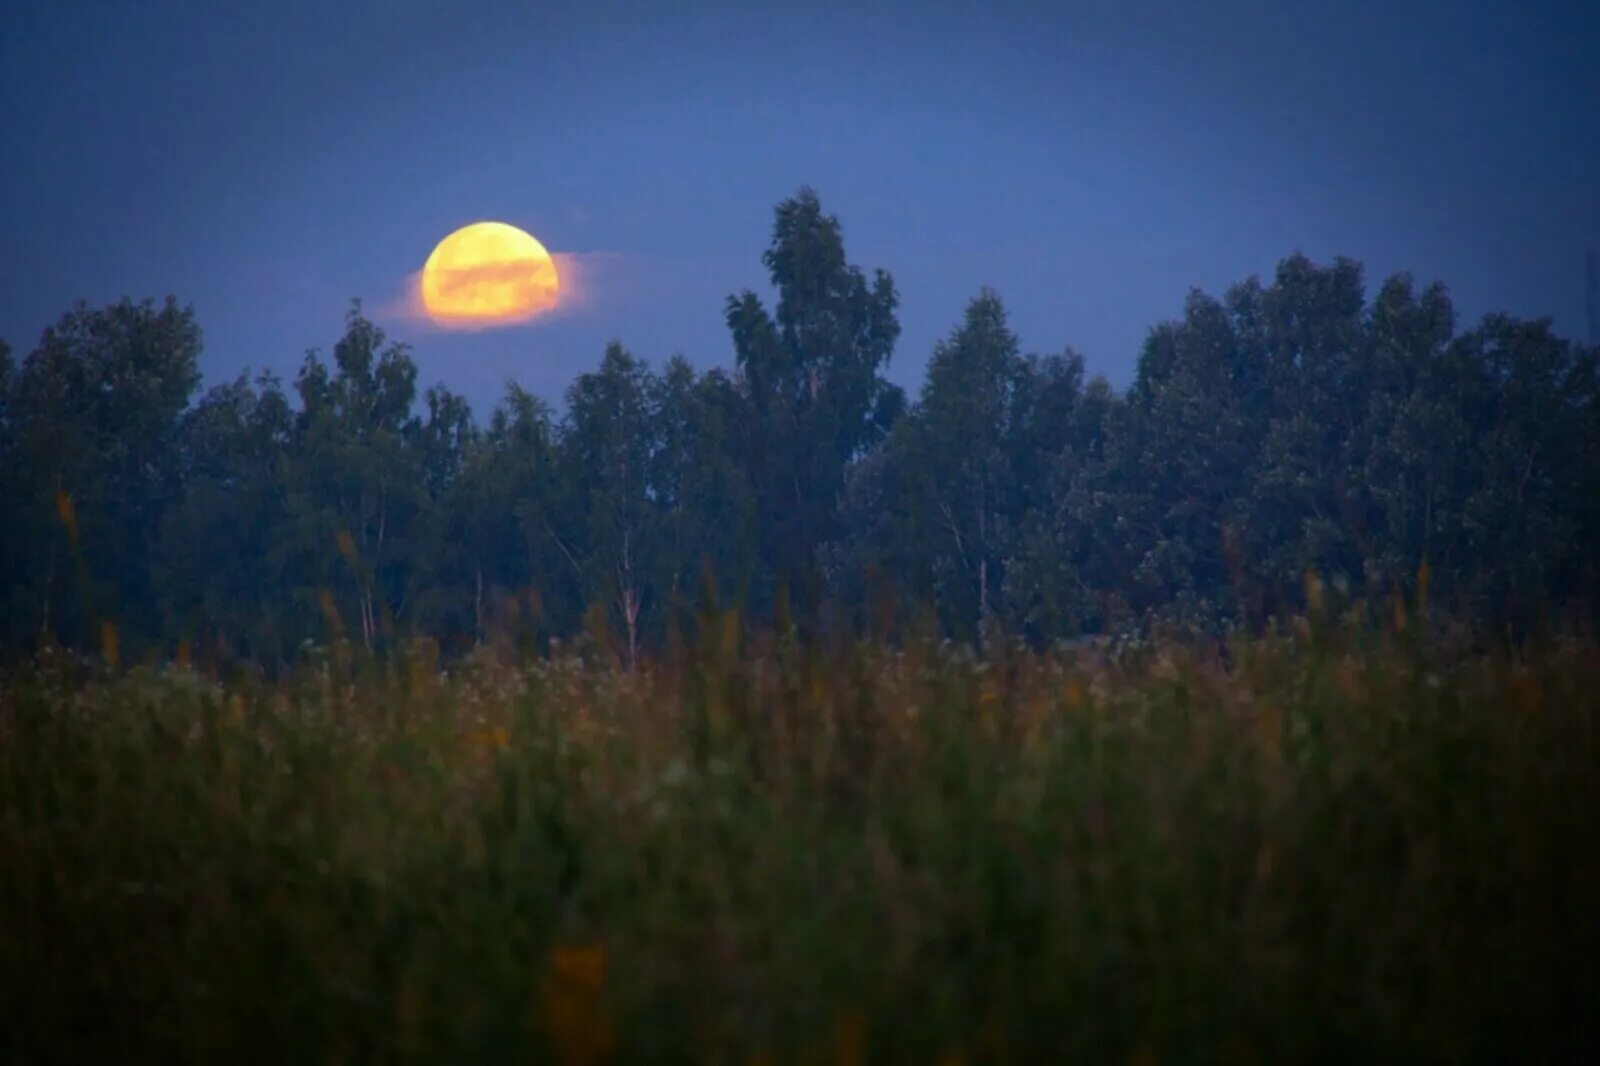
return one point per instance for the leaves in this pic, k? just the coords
(1286, 427)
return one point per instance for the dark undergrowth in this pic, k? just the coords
(1328, 844)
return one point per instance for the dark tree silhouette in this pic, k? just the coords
(1286, 436)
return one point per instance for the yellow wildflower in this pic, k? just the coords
(571, 1010)
(69, 515)
(109, 643)
(850, 1038)
(1074, 694)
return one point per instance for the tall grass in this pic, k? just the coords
(1319, 845)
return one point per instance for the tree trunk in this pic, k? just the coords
(477, 611)
(630, 617)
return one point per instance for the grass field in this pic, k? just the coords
(1329, 843)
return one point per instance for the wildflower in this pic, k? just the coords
(1527, 695)
(1074, 694)
(570, 1006)
(988, 703)
(1143, 1054)
(1269, 731)
(1313, 592)
(330, 611)
(109, 643)
(850, 1038)
(69, 515)
(493, 738)
(1266, 861)
(1348, 678)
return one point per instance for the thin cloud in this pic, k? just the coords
(582, 278)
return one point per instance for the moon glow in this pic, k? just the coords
(488, 274)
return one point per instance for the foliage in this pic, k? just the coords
(1330, 842)
(1283, 429)
(333, 717)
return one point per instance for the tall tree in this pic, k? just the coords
(1524, 510)
(1064, 428)
(1309, 332)
(1177, 479)
(1411, 468)
(94, 414)
(14, 547)
(811, 372)
(941, 509)
(446, 437)
(358, 491)
(702, 486)
(494, 544)
(222, 544)
(609, 531)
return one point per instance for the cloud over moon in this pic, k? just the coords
(506, 285)
(486, 275)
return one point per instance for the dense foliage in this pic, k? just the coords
(743, 716)
(1334, 844)
(1287, 428)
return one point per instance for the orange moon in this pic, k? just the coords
(489, 274)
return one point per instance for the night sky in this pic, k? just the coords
(269, 163)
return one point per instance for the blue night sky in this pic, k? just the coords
(269, 162)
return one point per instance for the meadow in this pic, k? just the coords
(1341, 839)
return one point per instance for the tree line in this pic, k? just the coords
(1286, 438)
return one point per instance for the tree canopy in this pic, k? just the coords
(1284, 436)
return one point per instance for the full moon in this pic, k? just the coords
(488, 274)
